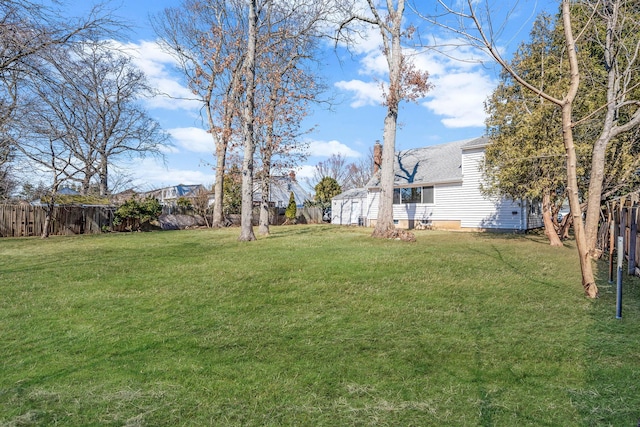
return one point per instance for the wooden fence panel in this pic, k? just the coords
(625, 213)
(27, 220)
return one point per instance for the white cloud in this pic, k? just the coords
(327, 148)
(149, 174)
(305, 172)
(459, 98)
(158, 66)
(193, 139)
(368, 40)
(461, 84)
(374, 64)
(364, 93)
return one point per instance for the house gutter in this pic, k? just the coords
(422, 184)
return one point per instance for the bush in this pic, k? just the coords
(185, 203)
(137, 213)
(292, 211)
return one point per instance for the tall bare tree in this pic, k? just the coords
(27, 30)
(613, 31)
(91, 97)
(405, 83)
(42, 147)
(283, 104)
(287, 85)
(248, 115)
(208, 39)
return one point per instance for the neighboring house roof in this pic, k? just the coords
(66, 191)
(354, 193)
(183, 190)
(180, 190)
(430, 165)
(280, 191)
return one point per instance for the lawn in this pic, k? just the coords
(315, 325)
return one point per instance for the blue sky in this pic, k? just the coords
(453, 110)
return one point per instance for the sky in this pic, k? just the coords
(453, 110)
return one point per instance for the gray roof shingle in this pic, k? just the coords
(430, 165)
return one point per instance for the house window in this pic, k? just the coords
(413, 195)
(427, 195)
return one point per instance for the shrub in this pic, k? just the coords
(185, 203)
(137, 213)
(291, 212)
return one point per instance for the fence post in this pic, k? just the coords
(619, 283)
(633, 235)
(612, 239)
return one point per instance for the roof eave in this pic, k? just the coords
(422, 183)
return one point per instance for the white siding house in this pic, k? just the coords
(440, 187)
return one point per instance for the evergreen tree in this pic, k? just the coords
(525, 159)
(291, 212)
(326, 189)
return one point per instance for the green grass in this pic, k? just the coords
(314, 325)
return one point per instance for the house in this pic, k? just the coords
(438, 187)
(280, 188)
(168, 196)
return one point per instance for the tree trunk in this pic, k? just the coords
(549, 229)
(47, 222)
(263, 228)
(384, 225)
(598, 157)
(218, 190)
(103, 175)
(588, 280)
(565, 225)
(586, 268)
(48, 218)
(85, 184)
(246, 214)
(596, 178)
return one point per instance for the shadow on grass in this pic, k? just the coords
(514, 267)
(283, 231)
(611, 395)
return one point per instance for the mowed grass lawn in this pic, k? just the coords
(315, 325)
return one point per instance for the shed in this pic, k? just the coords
(350, 208)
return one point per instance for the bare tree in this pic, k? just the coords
(283, 105)
(287, 85)
(615, 30)
(335, 167)
(405, 83)
(480, 35)
(208, 39)
(347, 175)
(44, 150)
(91, 101)
(27, 30)
(248, 115)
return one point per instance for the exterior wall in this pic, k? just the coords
(462, 206)
(351, 211)
(476, 211)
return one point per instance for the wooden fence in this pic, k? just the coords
(27, 220)
(622, 216)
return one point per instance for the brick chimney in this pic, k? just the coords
(377, 157)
